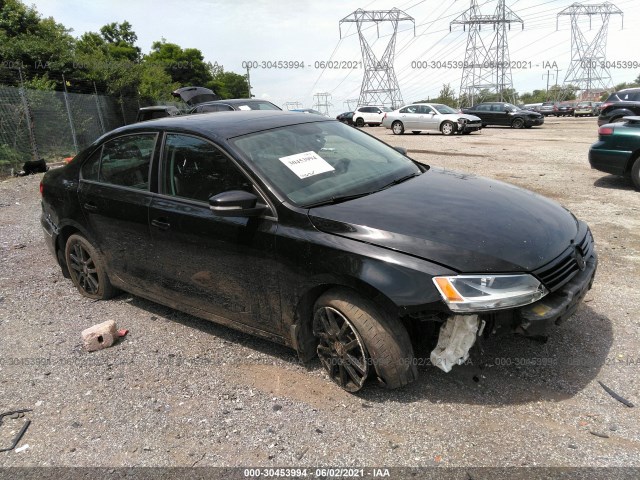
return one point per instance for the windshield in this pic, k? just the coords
(311, 163)
(444, 109)
(510, 107)
(253, 105)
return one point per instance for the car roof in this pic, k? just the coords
(224, 125)
(158, 108)
(235, 101)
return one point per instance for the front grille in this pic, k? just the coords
(559, 271)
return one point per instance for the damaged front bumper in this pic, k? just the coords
(535, 319)
(458, 334)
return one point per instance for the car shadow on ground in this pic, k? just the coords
(615, 182)
(510, 369)
(513, 369)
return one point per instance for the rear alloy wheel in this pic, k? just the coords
(355, 335)
(86, 269)
(447, 128)
(359, 122)
(635, 174)
(517, 123)
(397, 128)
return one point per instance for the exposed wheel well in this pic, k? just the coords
(61, 242)
(305, 341)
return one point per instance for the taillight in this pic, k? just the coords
(605, 130)
(555, 108)
(41, 189)
(605, 105)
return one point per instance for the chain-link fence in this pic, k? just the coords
(54, 124)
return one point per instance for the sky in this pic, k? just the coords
(240, 32)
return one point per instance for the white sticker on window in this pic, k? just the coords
(306, 164)
(244, 107)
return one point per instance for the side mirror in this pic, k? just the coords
(235, 203)
(402, 150)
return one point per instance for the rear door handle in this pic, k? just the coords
(160, 223)
(91, 207)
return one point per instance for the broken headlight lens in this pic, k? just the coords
(473, 293)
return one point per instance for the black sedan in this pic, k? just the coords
(346, 117)
(624, 103)
(308, 232)
(505, 114)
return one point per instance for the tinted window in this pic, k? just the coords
(484, 108)
(125, 161)
(196, 169)
(256, 106)
(632, 96)
(91, 166)
(497, 108)
(410, 109)
(213, 108)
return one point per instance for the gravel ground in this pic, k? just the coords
(179, 391)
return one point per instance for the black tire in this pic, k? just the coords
(359, 122)
(397, 127)
(345, 322)
(86, 268)
(447, 128)
(635, 174)
(528, 126)
(415, 132)
(484, 125)
(517, 123)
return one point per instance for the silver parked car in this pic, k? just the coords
(435, 117)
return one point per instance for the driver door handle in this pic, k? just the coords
(161, 223)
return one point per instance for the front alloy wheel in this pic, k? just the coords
(448, 128)
(517, 123)
(340, 349)
(359, 122)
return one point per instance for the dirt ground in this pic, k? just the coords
(179, 391)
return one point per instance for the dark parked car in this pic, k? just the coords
(548, 108)
(156, 111)
(311, 233)
(234, 104)
(620, 104)
(617, 150)
(566, 109)
(346, 117)
(500, 113)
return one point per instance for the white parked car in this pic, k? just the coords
(435, 117)
(369, 115)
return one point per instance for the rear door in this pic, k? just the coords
(114, 197)
(221, 265)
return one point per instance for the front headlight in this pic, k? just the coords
(473, 293)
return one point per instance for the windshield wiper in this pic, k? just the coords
(338, 199)
(400, 180)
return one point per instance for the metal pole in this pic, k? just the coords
(27, 111)
(95, 90)
(66, 103)
(124, 118)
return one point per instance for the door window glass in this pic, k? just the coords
(125, 161)
(196, 169)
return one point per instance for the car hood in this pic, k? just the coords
(463, 222)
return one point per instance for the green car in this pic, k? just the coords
(617, 150)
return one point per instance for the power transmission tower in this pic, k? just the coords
(487, 68)
(351, 104)
(379, 84)
(322, 102)
(292, 105)
(588, 71)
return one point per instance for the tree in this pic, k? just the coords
(229, 85)
(31, 42)
(184, 66)
(121, 41)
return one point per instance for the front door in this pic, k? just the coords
(221, 265)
